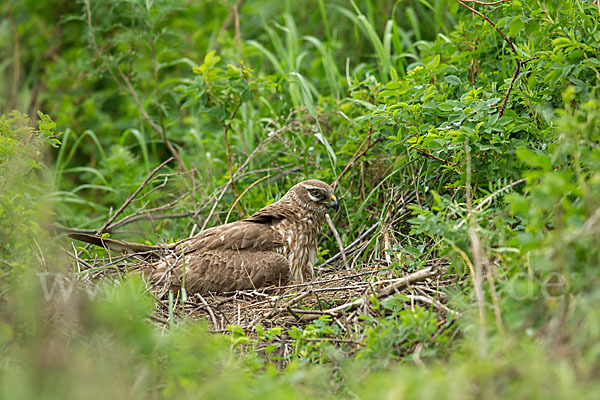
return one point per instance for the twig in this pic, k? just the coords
(338, 240)
(351, 245)
(236, 17)
(137, 217)
(17, 60)
(490, 198)
(6, 238)
(290, 303)
(232, 178)
(408, 199)
(130, 199)
(324, 281)
(232, 17)
(301, 311)
(210, 311)
(408, 280)
(356, 157)
(428, 154)
(512, 46)
(226, 137)
(79, 260)
(358, 285)
(498, 314)
(242, 195)
(398, 284)
(486, 3)
(512, 81)
(289, 309)
(334, 340)
(479, 259)
(434, 303)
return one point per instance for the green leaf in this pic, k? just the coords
(270, 348)
(217, 113)
(445, 106)
(452, 79)
(516, 26)
(533, 159)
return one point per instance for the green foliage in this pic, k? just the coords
(23, 185)
(417, 98)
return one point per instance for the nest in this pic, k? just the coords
(335, 292)
(338, 295)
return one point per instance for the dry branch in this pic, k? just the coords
(130, 199)
(351, 245)
(338, 241)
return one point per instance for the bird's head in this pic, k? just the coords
(314, 195)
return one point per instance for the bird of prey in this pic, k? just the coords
(274, 246)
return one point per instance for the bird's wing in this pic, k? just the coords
(221, 270)
(239, 235)
(270, 214)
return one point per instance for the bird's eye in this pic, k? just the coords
(314, 192)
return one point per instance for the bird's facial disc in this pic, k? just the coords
(322, 197)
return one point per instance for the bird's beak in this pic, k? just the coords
(334, 202)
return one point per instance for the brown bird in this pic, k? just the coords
(275, 245)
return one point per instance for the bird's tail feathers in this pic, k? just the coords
(116, 245)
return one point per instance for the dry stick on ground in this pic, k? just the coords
(130, 199)
(334, 340)
(435, 303)
(396, 285)
(323, 281)
(491, 3)
(290, 303)
(512, 47)
(210, 311)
